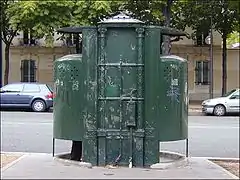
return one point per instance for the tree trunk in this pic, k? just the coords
(167, 15)
(6, 72)
(76, 152)
(224, 63)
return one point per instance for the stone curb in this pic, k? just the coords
(195, 109)
(220, 158)
(21, 154)
(24, 153)
(195, 114)
(13, 162)
(223, 169)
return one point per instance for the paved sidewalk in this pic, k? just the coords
(195, 106)
(195, 110)
(43, 166)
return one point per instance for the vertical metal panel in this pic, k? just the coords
(172, 123)
(151, 93)
(120, 95)
(69, 89)
(101, 94)
(89, 44)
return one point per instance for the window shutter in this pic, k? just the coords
(206, 72)
(198, 69)
(24, 71)
(28, 71)
(32, 71)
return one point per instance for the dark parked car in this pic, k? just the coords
(38, 97)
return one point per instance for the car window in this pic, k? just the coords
(49, 88)
(229, 93)
(236, 95)
(13, 87)
(31, 88)
(44, 88)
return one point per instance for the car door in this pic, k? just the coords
(29, 91)
(3, 97)
(10, 94)
(234, 102)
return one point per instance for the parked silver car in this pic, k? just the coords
(229, 103)
(38, 97)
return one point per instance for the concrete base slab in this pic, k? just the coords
(169, 159)
(68, 162)
(42, 166)
(65, 158)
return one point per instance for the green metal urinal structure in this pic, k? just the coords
(121, 96)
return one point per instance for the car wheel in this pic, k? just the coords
(219, 110)
(38, 105)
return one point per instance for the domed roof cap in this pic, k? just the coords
(121, 18)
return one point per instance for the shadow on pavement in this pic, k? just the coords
(21, 110)
(227, 115)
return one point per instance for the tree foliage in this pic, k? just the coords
(196, 14)
(225, 17)
(148, 11)
(8, 31)
(43, 17)
(233, 38)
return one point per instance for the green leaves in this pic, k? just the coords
(89, 12)
(233, 38)
(43, 17)
(148, 11)
(196, 14)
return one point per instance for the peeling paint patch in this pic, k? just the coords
(63, 67)
(57, 82)
(133, 47)
(174, 93)
(75, 85)
(139, 145)
(174, 82)
(174, 66)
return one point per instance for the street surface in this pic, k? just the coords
(208, 136)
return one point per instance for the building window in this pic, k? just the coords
(201, 37)
(75, 40)
(72, 39)
(202, 73)
(28, 71)
(28, 38)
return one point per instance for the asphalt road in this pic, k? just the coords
(208, 136)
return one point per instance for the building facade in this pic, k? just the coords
(31, 60)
